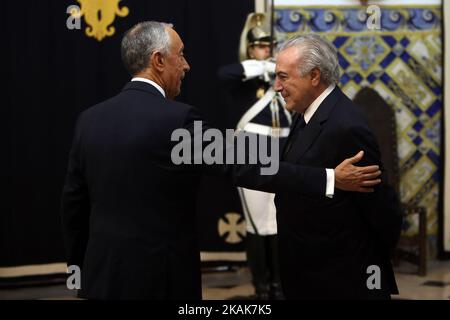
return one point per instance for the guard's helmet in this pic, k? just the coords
(258, 36)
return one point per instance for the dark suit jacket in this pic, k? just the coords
(327, 244)
(128, 213)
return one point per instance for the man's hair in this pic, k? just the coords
(316, 52)
(141, 41)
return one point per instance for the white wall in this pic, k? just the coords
(447, 124)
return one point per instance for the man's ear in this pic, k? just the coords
(315, 77)
(158, 60)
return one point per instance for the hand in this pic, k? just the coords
(269, 66)
(253, 68)
(352, 178)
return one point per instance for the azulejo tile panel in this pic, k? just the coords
(402, 61)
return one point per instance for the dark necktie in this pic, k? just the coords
(297, 128)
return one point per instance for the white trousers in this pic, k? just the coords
(259, 207)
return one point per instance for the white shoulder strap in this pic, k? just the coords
(256, 108)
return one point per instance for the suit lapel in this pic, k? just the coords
(287, 145)
(305, 139)
(309, 134)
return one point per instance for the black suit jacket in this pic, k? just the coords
(327, 244)
(128, 213)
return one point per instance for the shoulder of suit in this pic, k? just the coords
(347, 114)
(174, 109)
(179, 107)
(96, 108)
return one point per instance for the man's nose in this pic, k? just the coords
(186, 66)
(277, 86)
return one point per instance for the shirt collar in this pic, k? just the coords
(316, 103)
(153, 83)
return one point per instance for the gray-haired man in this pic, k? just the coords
(330, 247)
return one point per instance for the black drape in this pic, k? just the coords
(51, 74)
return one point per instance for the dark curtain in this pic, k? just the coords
(51, 74)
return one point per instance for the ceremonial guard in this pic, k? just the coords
(262, 112)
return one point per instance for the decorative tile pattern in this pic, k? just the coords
(403, 63)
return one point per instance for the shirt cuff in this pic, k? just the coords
(329, 191)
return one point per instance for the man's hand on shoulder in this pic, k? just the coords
(349, 177)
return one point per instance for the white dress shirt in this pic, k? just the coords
(329, 191)
(153, 83)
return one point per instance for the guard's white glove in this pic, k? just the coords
(256, 68)
(253, 68)
(269, 67)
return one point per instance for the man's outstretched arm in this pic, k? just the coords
(289, 177)
(310, 180)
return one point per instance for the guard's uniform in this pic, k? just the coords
(272, 120)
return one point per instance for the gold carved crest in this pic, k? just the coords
(99, 15)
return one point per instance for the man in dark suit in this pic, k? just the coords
(128, 212)
(330, 247)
